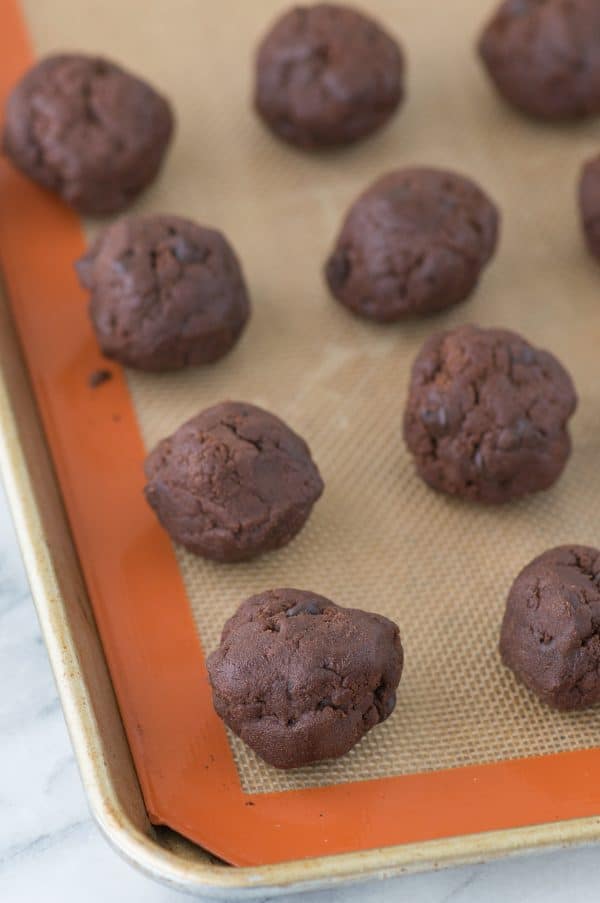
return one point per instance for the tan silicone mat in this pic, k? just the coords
(378, 539)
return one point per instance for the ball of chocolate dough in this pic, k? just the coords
(413, 243)
(165, 292)
(327, 75)
(87, 130)
(301, 679)
(550, 634)
(589, 204)
(487, 413)
(544, 56)
(233, 482)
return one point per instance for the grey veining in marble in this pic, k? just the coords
(51, 851)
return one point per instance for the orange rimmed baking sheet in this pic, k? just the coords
(464, 751)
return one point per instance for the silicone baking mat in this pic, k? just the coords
(467, 749)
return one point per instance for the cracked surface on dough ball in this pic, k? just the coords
(486, 416)
(301, 679)
(165, 293)
(327, 75)
(413, 243)
(550, 635)
(233, 482)
(88, 130)
(544, 56)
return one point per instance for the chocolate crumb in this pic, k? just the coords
(97, 377)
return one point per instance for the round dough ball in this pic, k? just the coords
(486, 416)
(165, 293)
(589, 204)
(327, 75)
(301, 679)
(413, 243)
(550, 636)
(86, 129)
(544, 57)
(233, 482)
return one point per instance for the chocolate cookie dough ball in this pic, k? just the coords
(589, 204)
(544, 56)
(165, 293)
(550, 634)
(301, 679)
(327, 75)
(86, 129)
(415, 242)
(486, 417)
(233, 482)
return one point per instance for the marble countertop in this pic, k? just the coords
(51, 850)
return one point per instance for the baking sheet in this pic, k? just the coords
(378, 539)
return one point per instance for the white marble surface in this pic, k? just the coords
(50, 850)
